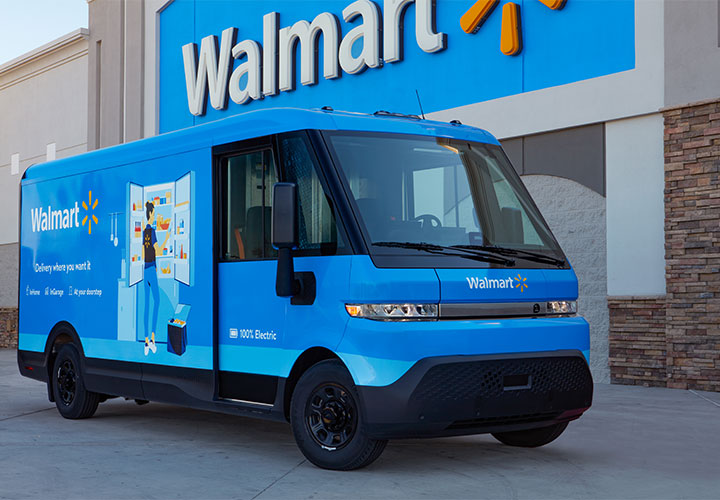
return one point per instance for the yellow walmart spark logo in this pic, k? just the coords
(511, 32)
(90, 217)
(520, 283)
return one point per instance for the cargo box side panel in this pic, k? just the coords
(90, 256)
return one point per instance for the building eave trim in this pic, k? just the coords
(43, 50)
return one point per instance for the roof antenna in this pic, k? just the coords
(420, 103)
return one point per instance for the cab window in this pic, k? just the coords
(246, 183)
(318, 232)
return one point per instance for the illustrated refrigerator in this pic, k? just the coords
(172, 205)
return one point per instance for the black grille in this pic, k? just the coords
(485, 379)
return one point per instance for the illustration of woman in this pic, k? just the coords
(150, 250)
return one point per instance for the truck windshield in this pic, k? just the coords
(415, 193)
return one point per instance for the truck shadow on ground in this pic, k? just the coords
(167, 423)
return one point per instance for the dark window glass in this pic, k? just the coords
(317, 229)
(247, 181)
(414, 189)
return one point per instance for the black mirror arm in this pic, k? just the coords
(285, 283)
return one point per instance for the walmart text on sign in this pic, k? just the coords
(269, 69)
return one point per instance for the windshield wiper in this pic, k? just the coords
(537, 257)
(470, 253)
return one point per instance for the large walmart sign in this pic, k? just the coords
(278, 55)
(366, 55)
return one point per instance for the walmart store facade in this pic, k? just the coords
(608, 109)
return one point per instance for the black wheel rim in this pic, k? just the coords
(66, 382)
(331, 416)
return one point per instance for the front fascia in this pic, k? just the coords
(378, 353)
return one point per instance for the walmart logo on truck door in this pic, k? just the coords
(53, 219)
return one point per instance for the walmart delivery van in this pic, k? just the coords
(364, 277)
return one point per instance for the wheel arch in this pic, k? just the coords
(62, 333)
(302, 364)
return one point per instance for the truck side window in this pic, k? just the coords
(317, 229)
(247, 181)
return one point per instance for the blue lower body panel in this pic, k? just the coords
(378, 353)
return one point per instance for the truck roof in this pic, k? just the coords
(259, 123)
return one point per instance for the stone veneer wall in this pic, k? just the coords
(637, 341)
(8, 327)
(685, 354)
(692, 245)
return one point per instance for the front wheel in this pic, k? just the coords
(72, 399)
(531, 438)
(327, 421)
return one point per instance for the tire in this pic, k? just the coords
(327, 420)
(531, 438)
(72, 399)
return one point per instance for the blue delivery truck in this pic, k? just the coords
(363, 277)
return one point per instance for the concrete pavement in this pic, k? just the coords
(635, 443)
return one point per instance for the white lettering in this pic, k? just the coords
(428, 39)
(251, 68)
(270, 68)
(485, 283)
(306, 35)
(425, 35)
(368, 31)
(259, 335)
(51, 220)
(35, 214)
(208, 71)
(270, 53)
(56, 219)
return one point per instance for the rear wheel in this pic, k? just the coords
(531, 438)
(327, 421)
(72, 399)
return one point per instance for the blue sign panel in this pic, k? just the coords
(235, 56)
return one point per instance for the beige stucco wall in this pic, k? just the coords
(43, 100)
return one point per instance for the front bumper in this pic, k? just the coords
(456, 395)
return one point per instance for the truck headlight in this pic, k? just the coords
(393, 312)
(562, 307)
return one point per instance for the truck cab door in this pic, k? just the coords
(316, 317)
(251, 317)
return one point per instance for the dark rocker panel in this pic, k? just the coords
(248, 387)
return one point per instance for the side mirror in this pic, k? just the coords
(284, 215)
(285, 236)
